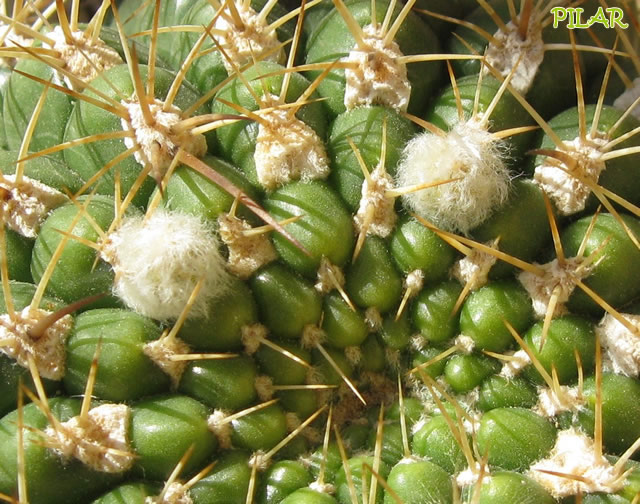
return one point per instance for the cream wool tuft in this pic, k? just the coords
(288, 149)
(376, 76)
(568, 193)
(159, 260)
(621, 346)
(468, 152)
(574, 454)
(86, 57)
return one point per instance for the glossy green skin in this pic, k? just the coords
(621, 174)
(237, 141)
(50, 480)
(282, 369)
(281, 479)
(411, 407)
(509, 487)
(18, 255)
(364, 127)
(88, 119)
(415, 247)
(46, 169)
(432, 311)
(525, 204)
(328, 373)
(392, 449)
(434, 369)
(331, 463)
(615, 276)
(514, 438)
(344, 327)
(419, 482)
(484, 311)
(620, 411)
(161, 431)
(372, 280)
(125, 372)
(221, 330)
(507, 114)
(566, 335)
(260, 430)
(359, 471)
(301, 402)
(550, 74)
(499, 392)
(604, 499)
(227, 483)
(171, 13)
(191, 192)
(396, 334)
(435, 442)
(130, 493)
(286, 301)
(464, 372)
(75, 276)
(332, 40)
(373, 354)
(208, 381)
(326, 229)
(308, 496)
(20, 98)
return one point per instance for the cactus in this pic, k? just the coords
(319, 252)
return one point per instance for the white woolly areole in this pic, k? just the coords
(560, 276)
(414, 281)
(574, 454)
(376, 214)
(628, 97)
(252, 336)
(325, 488)
(288, 149)
(247, 252)
(470, 475)
(373, 319)
(159, 260)
(94, 442)
(555, 178)
(25, 204)
(85, 57)
(158, 143)
(353, 354)
(517, 362)
(250, 42)
(175, 493)
(468, 152)
(264, 387)
(621, 346)
(473, 269)
(465, 343)
(10, 38)
(162, 350)
(375, 75)
(329, 276)
(216, 422)
(509, 47)
(551, 402)
(312, 336)
(48, 351)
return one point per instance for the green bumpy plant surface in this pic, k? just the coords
(319, 252)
